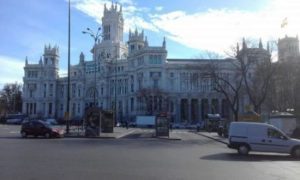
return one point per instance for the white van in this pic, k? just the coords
(248, 136)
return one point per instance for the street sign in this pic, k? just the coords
(66, 116)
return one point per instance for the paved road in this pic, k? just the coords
(194, 157)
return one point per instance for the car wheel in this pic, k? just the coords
(23, 134)
(243, 149)
(296, 152)
(47, 135)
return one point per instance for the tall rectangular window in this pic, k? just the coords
(51, 90)
(62, 91)
(106, 32)
(45, 90)
(50, 109)
(132, 47)
(73, 108)
(34, 108)
(132, 83)
(119, 86)
(79, 93)
(132, 104)
(27, 108)
(61, 107)
(73, 90)
(30, 111)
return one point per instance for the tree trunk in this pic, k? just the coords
(236, 116)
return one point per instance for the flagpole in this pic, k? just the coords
(283, 26)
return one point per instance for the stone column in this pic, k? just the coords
(24, 107)
(54, 109)
(189, 110)
(177, 110)
(209, 105)
(46, 109)
(219, 106)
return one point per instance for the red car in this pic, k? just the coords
(40, 128)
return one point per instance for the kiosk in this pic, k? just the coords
(98, 121)
(162, 125)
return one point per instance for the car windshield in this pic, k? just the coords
(45, 124)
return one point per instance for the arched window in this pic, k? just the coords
(91, 92)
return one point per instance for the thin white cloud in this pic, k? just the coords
(132, 14)
(130, 2)
(93, 8)
(12, 70)
(217, 29)
(212, 30)
(159, 8)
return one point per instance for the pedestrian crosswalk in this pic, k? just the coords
(150, 133)
(171, 131)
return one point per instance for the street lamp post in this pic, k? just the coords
(95, 37)
(116, 89)
(69, 59)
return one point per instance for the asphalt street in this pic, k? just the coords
(135, 156)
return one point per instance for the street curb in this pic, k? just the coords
(125, 134)
(166, 138)
(100, 137)
(218, 140)
(84, 137)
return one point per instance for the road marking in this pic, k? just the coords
(13, 132)
(125, 134)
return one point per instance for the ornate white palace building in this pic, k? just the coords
(132, 78)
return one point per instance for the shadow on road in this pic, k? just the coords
(250, 157)
(19, 137)
(10, 137)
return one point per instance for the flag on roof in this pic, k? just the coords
(284, 22)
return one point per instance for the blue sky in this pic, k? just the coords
(191, 27)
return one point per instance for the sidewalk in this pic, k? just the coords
(119, 132)
(212, 135)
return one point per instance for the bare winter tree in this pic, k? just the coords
(152, 99)
(227, 81)
(257, 71)
(10, 98)
(247, 72)
(285, 87)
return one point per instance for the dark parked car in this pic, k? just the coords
(40, 128)
(15, 118)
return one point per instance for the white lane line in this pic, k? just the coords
(13, 132)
